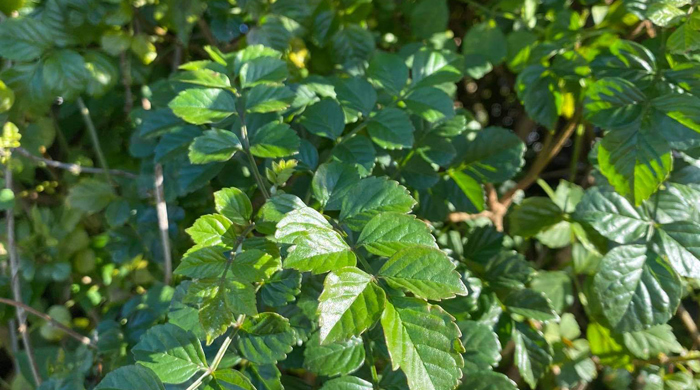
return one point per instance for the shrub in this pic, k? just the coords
(351, 194)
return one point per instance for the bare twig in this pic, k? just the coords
(15, 282)
(70, 332)
(93, 136)
(73, 168)
(162, 211)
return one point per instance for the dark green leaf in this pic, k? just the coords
(274, 140)
(214, 145)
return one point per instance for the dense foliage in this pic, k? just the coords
(350, 194)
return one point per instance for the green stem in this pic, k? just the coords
(578, 143)
(369, 359)
(352, 132)
(364, 263)
(246, 149)
(93, 137)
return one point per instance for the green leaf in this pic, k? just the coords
(265, 98)
(487, 380)
(388, 71)
(274, 140)
(357, 151)
(356, 94)
(483, 350)
(213, 230)
(627, 60)
(229, 379)
(684, 40)
(202, 262)
(214, 145)
(203, 77)
(254, 265)
(649, 343)
(556, 286)
(432, 67)
(532, 353)
(339, 358)
(613, 216)
(265, 338)
(530, 304)
(390, 232)
(613, 103)
(508, 270)
(494, 156)
(636, 289)
(316, 246)
(423, 341)
(372, 196)
(470, 187)
(233, 204)
(680, 242)
(90, 195)
(263, 70)
(7, 199)
(350, 303)
(347, 383)
(426, 272)
(24, 39)
(282, 288)
(264, 377)
(203, 105)
(274, 210)
(130, 378)
(103, 73)
(391, 128)
(635, 161)
(331, 182)
(173, 354)
(533, 215)
(430, 103)
(324, 119)
(486, 41)
(540, 95)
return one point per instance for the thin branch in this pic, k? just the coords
(689, 324)
(70, 332)
(162, 211)
(207, 32)
(73, 168)
(93, 136)
(15, 282)
(547, 154)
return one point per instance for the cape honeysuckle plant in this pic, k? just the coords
(350, 194)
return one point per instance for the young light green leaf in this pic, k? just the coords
(372, 196)
(205, 105)
(213, 230)
(274, 140)
(265, 338)
(266, 98)
(324, 119)
(426, 272)
(350, 303)
(254, 265)
(423, 341)
(214, 145)
(317, 247)
(130, 378)
(173, 354)
(391, 128)
(263, 70)
(274, 210)
(388, 233)
(233, 204)
(636, 289)
(339, 358)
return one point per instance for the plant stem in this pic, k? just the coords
(70, 332)
(15, 281)
(93, 136)
(369, 359)
(364, 263)
(251, 159)
(73, 168)
(352, 132)
(162, 211)
(578, 143)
